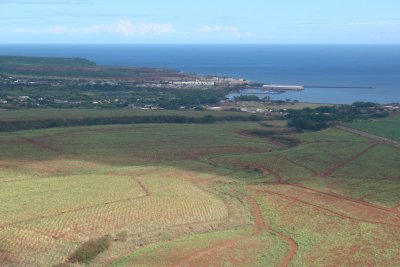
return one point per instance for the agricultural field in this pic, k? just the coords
(197, 195)
(387, 127)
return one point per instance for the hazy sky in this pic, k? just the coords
(203, 21)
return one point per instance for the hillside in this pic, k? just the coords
(196, 195)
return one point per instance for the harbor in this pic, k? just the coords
(332, 94)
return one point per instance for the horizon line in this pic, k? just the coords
(264, 44)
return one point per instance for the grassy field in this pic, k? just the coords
(196, 195)
(387, 127)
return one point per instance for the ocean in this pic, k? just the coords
(318, 66)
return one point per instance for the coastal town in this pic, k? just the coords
(79, 83)
(197, 82)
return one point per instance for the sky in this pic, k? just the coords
(199, 22)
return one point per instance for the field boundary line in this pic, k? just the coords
(261, 225)
(313, 172)
(369, 136)
(70, 211)
(144, 189)
(339, 214)
(34, 142)
(357, 201)
(332, 169)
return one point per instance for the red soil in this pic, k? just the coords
(339, 165)
(396, 208)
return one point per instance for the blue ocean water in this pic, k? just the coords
(375, 66)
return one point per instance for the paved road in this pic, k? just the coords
(370, 136)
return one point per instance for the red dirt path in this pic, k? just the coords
(300, 165)
(259, 227)
(266, 171)
(331, 170)
(358, 201)
(327, 210)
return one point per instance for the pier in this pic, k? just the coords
(274, 87)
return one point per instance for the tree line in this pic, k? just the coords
(322, 117)
(9, 126)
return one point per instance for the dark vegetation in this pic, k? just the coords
(7, 126)
(322, 117)
(266, 125)
(174, 99)
(247, 98)
(90, 249)
(106, 96)
(121, 237)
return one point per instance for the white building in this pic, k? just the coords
(195, 83)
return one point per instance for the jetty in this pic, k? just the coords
(275, 87)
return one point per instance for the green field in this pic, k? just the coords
(195, 195)
(387, 127)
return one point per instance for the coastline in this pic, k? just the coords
(335, 65)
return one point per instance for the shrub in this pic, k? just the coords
(208, 119)
(90, 249)
(121, 237)
(254, 118)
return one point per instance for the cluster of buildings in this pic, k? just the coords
(27, 101)
(392, 108)
(145, 107)
(196, 82)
